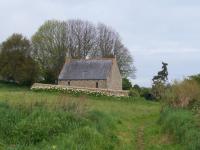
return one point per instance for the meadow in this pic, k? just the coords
(50, 120)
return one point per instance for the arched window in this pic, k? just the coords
(68, 83)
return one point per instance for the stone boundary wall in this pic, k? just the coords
(108, 92)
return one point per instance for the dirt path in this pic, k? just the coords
(140, 138)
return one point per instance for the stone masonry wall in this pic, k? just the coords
(114, 79)
(84, 83)
(118, 93)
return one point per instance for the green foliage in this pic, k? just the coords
(162, 75)
(158, 90)
(137, 87)
(196, 78)
(15, 61)
(159, 82)
(49, 48)
(99, 123)
(179, 115)
(126, 84)
(182, 125)
(194, 105)
(146, 93)
(133, 93)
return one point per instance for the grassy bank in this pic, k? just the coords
(183, 125)
(45, 120)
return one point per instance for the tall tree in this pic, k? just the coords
(49, 48)
(105, 40)
(159, 82)
(109, 44)
(124, 59)
(77, 39)
(81, 38)
(15, 61)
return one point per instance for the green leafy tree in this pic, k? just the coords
(159, 82)
(126, 84)
(137, 87)
(15, 61)
(109, 44)
(49, 48)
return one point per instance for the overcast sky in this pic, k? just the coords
(153, 30)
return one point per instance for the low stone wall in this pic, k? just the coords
(84, 83)
(108, 92)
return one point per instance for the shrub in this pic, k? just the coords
(133, 93)
(137, 87)
(195, 78)
(146, 93)
(181, 94)
(126, 84)
(194, 106)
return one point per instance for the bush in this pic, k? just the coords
(137, 87)
(181, 94)
(126, 84)
(195, 78)
(146, 93)
(133, 93)
(194, 106)
(182, 125)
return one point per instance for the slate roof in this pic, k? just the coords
(86, 69)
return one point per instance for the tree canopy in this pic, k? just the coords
(126, 84)
(56, 40)
(49, 48)
(15, 61)
(159, 82)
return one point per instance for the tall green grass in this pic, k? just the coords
(24, 128)
(60, 121)
(182, 124)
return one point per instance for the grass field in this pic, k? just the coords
(44, 120)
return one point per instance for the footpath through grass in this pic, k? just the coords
(44, 120)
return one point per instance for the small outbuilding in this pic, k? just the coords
(91, 73)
